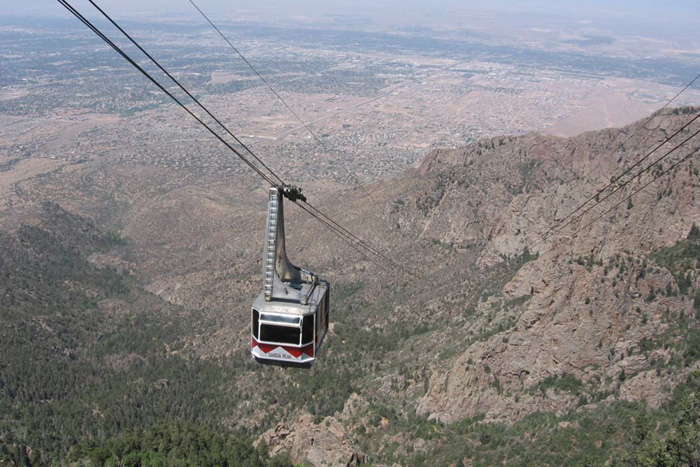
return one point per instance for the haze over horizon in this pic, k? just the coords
(442, 13)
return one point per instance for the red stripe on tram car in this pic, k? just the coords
(309, 350)
(267, 348)
(296, 352)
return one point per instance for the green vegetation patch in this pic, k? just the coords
(172, 444)
(681, 259)
(518, 301)
(621, 432)
(345, 290)
(564, 383)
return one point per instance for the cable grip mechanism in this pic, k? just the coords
(293, 193)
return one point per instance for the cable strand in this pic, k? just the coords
(318, 140)
(620, 187)
(673, 166)
(101, 35)
(185, 91)
(554, 229)
(639, 127)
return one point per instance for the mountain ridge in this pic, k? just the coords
(481, 337)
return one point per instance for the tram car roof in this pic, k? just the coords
(292, 306)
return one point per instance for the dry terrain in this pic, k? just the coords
(131, 242)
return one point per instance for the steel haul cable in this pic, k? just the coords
(596, 196)
(599, 192)
(649, 119)
(296, 115)
(619, 187)
(329, 223)
(339, 234)
(183, 89)
(554, 229)
(154, 81)
(673, 166)
(339, 227)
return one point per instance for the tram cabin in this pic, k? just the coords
(289, 319)
(290, 333)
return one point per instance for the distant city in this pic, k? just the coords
(378, 100)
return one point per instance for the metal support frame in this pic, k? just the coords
(281, 279)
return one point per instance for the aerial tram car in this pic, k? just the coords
(289, 319)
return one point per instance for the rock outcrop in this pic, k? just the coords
(325, 444)
(587, 306)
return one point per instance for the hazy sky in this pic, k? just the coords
(643, 17)
(681, 10)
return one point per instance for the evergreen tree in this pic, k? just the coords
(694, 233)
(681, 448)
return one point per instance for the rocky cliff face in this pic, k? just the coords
(592, 306)
(574, 325)
(504, 192)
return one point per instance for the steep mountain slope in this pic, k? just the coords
(593, 315)
(594, 304)
(481, 350)
(87, 353)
